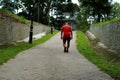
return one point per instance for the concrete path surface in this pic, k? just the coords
(48, 62)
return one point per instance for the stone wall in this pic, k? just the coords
(12, 31)
(108, 34)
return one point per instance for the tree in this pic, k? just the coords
(17, 5)
(82, 19)
(62, 8)
(41, 9)
(11, 5)
(115, 12)
(99, 9)
(8, 5)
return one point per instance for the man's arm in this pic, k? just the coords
(71, 33)
(61, 34)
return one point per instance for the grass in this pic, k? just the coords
(14, 16)
(84, 48)
(107, 22)
(12, 51)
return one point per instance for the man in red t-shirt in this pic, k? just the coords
(66, 35)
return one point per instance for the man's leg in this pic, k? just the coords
(64, 44)
(68, 44)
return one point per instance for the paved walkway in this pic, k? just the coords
(48, 62)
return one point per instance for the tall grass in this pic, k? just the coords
(12, 51)
(107, 22)
(84, 48)
(14, 16)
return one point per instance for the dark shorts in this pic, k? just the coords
(66, 40)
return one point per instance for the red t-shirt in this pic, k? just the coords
(66, 29)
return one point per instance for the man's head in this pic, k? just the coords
(66, 23)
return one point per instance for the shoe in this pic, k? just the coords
(65, 49)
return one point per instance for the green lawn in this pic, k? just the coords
(84, 47)
(12, 51)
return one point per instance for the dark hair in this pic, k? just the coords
(66, 22)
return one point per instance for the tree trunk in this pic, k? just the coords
(98, 19)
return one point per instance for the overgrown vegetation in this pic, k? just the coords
(6, 13)
(12, 51)
(84, 47)
(107, 22)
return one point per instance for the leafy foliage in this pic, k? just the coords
(82, 18)
(61, 9)
(39, 9)
(115, 13)
(11, 5)
(99, 9)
